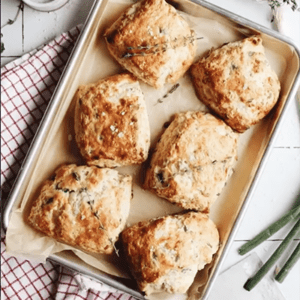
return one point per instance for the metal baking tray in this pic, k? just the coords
(84, 66)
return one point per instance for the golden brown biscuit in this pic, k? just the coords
(192, 161)
(237, 82)
(165, 254)
(111, 122)
(152, 41)
(83, 206)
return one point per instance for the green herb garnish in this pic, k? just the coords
(252, 282)
(275, 3)
(291, 215)
(288, 265)
(2, 44)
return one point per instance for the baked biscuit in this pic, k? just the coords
(237, 82)
(192, 160)
(111, 122)
(152, 41)
(165, 254)
(86, 207)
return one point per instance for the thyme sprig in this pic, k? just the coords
(10, 22)
(275, 3)
(2, 44)
(172, 90)
(96, 215)
(158, 47)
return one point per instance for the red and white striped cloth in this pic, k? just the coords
(26, 88)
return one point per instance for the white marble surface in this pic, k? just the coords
(280, 182)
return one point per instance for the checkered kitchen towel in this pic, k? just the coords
(26, 88)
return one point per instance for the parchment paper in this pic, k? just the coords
(60, 147)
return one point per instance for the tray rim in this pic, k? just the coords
(8, 205)
(250, 24)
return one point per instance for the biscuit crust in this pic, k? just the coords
(237, 82)
(152, 41)
(86, 207)
(111, 122)
(165, 254)
(192, 160)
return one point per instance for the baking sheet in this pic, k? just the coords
(94, 63)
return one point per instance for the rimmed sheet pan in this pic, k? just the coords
(54, 142)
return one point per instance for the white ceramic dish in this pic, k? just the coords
(45, 5)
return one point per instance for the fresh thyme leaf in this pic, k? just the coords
(2, 44)
(275, 3)
(12, 21)
(2, 47)
(21, 6)
(173, 89)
